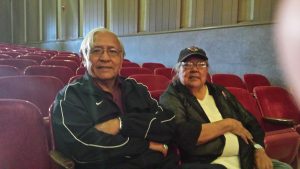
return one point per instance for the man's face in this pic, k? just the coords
(193, 72)
(106, 57)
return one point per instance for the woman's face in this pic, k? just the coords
(193, 72)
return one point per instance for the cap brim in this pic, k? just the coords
(193, 54)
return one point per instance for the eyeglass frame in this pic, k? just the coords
(111, 51)
(190, 65)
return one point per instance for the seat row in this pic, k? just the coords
(22, 121)
(276, 147)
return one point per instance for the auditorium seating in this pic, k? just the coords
(64, 73)
(153, 82)
(168, 72)
(155, 94)
(61, 57)
(275, 140)
(7, 70)
(130, 64)
(40, 90)
(151, 66)
(74, 78)
(37, 58)
(80, 70)
(21, 64)
(252, 80)
(5, 56)
(228, 80)
(277, 105)
(23, 142)
(11, 53)
(69, 63)
(128, 71)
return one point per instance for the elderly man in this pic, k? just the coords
(218, 128)
(103, 121)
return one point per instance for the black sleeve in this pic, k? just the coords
(147, 119)
(187, 130)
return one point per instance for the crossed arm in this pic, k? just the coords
(113, 127)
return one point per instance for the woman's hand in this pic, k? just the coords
(262, 160)
(238, 129)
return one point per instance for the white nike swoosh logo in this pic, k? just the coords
(98, 103)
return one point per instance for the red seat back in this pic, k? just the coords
(128, 71)
(228, 80)
(6, 70)
(37, 58)
(168, 72)
(130, 64)
(23, 142)
(40, 90)
(80, 71)
(253, 80)
(276, 102)
(248, 101)
(153, 82)
(12, 53)
(74, 78)
(151, 66)
(21, 64)
(69, 63)
(5, 56)
(64, 73)
(276, 140)
(67, 57)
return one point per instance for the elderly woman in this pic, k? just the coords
(212, 127)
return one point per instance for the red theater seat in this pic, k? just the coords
(64, 73)
(153, 82)
(37, 58)
(130, 64)
(6, 70)
(152, 66)
(276, 140)
(23, 142)
(21, 64)
(69, 63)
(253, 80)
(277, 105)
(228, 80)
(128, 71)
(40, 90)
(168, 72)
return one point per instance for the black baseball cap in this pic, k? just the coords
(191, 51)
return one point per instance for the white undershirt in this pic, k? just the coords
(229, 157)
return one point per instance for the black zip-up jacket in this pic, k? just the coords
(190, 116)
(80, 105)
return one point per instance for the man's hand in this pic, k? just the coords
(163, 148)
(111, 126)
(262, 161)
(237, 128)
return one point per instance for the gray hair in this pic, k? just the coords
(176, 68)
(88, 43)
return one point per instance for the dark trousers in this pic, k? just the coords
(198, 165)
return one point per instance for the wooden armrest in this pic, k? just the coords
(280, 121)
(61, 160)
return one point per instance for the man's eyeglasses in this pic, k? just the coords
(190, 65)
(112, 52)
